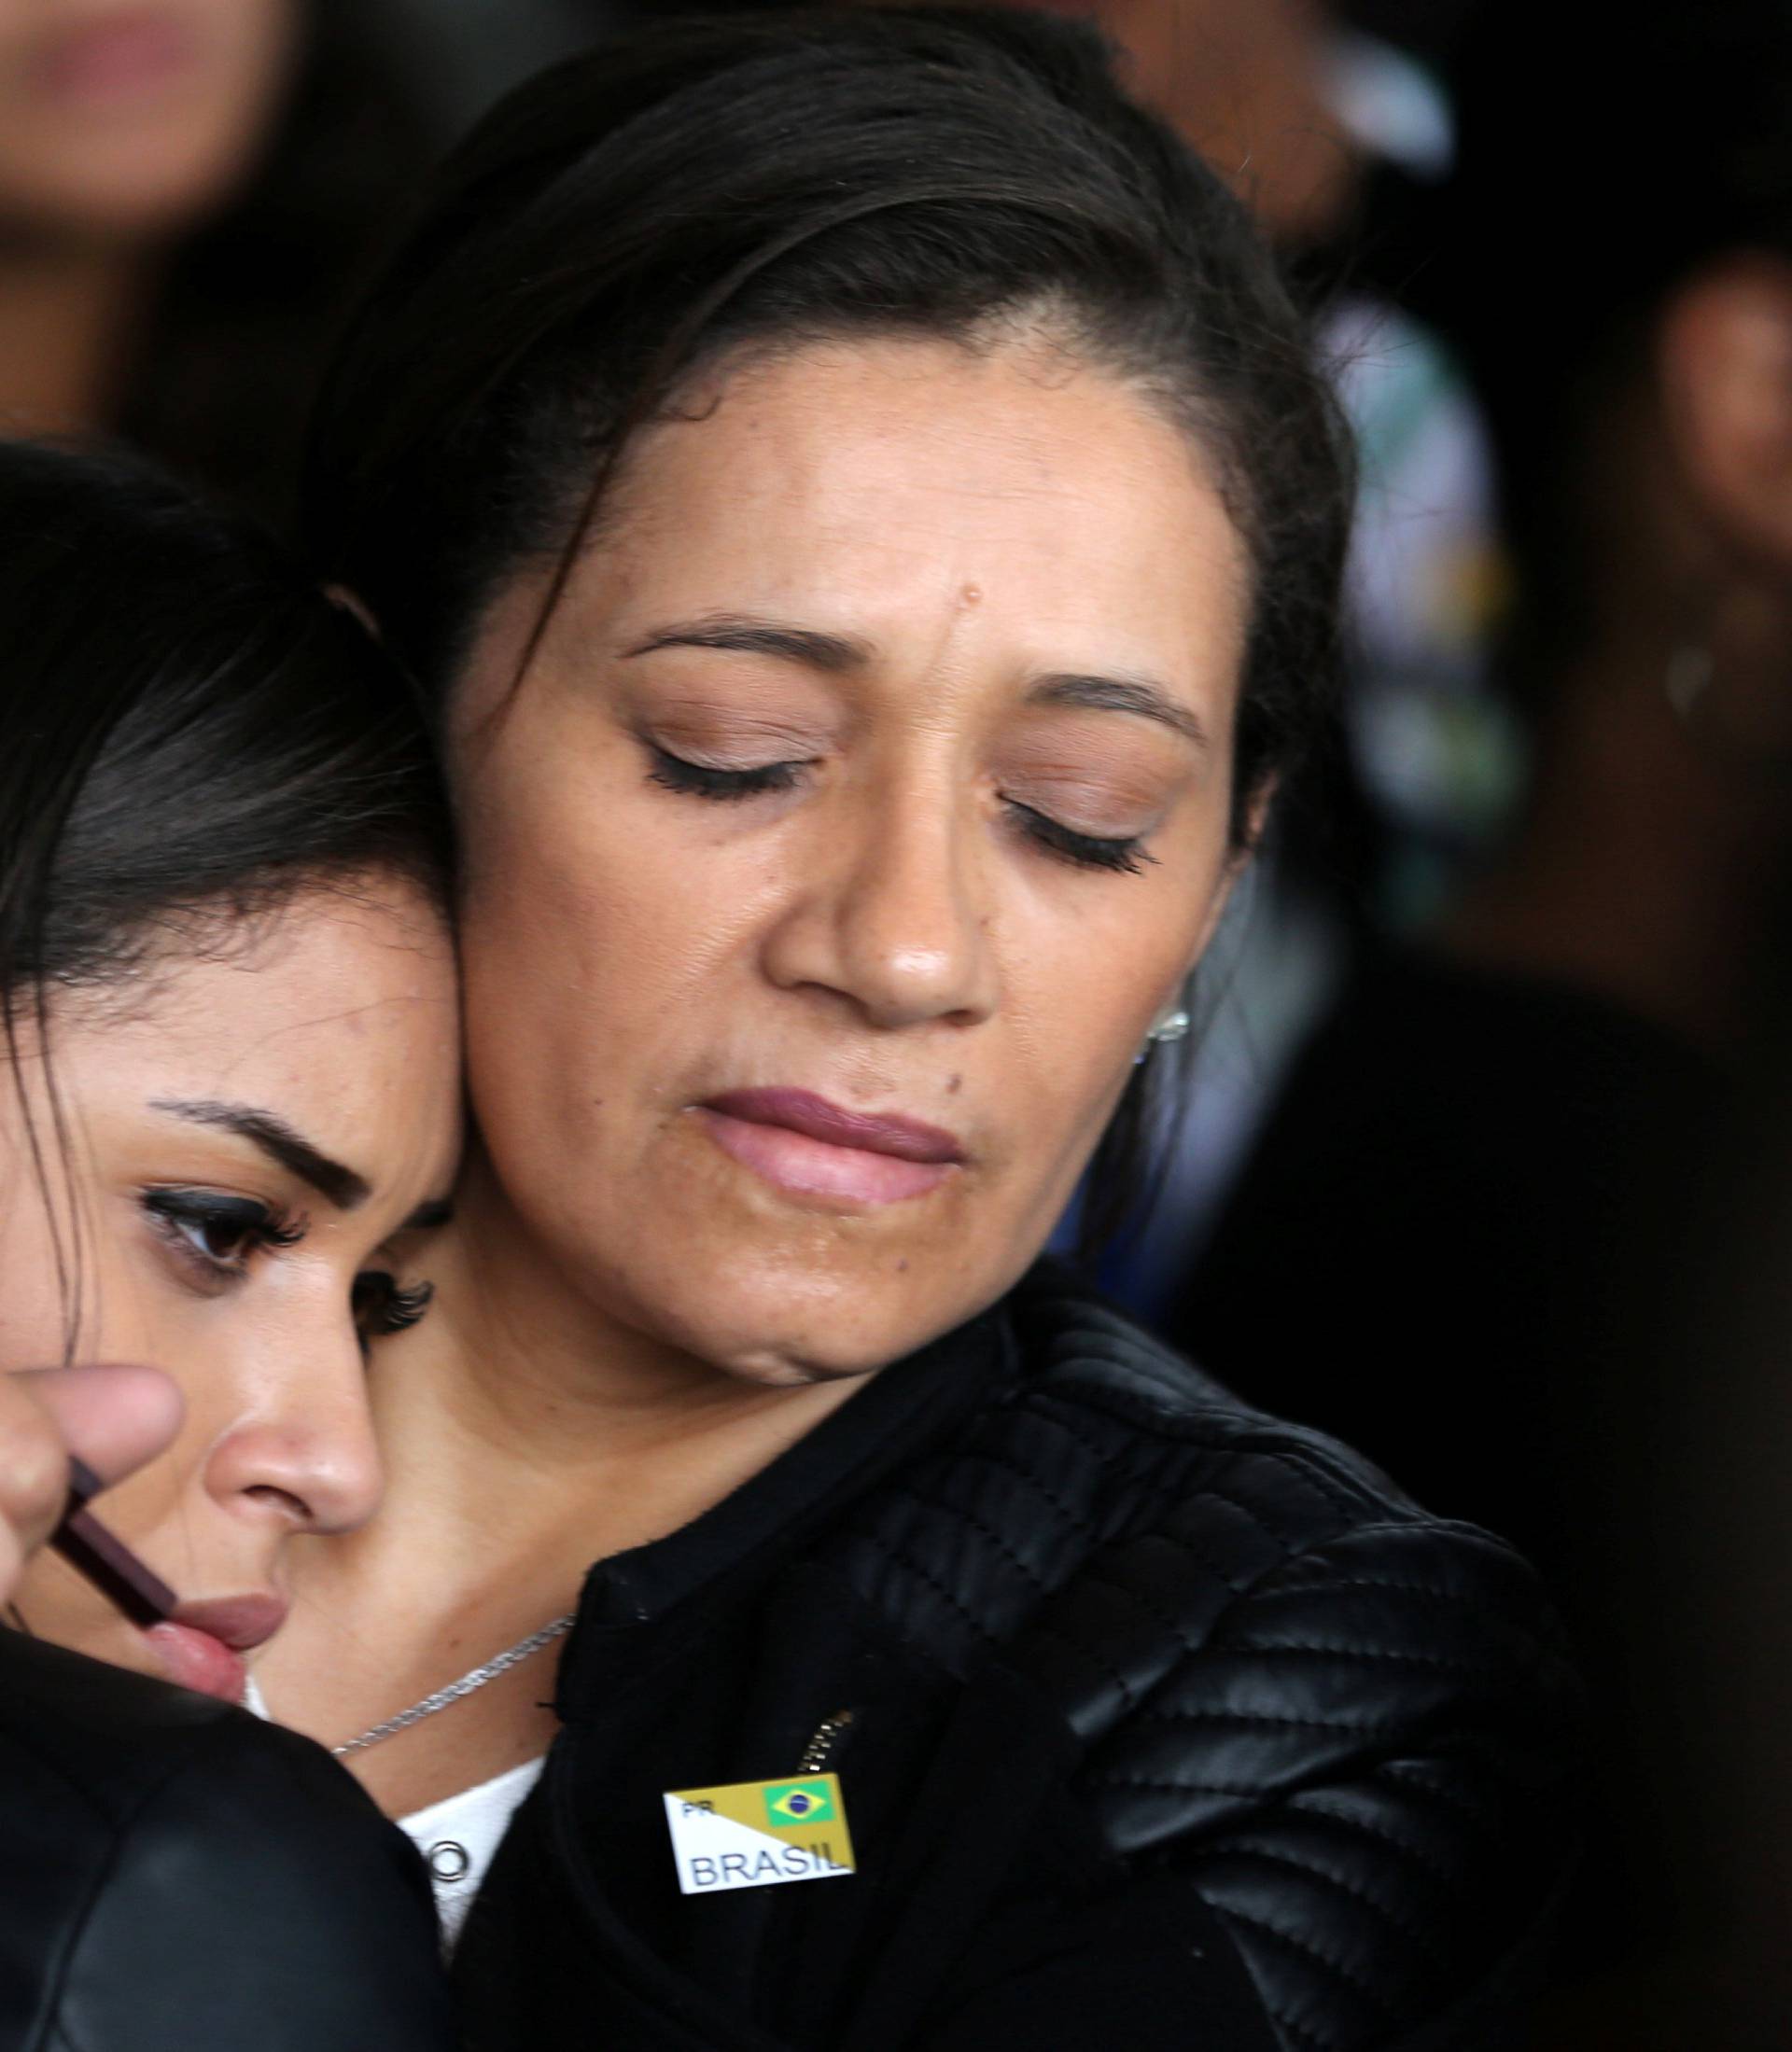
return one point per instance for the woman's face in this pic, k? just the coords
(866, 799)
(253, 1150)
(130, 119)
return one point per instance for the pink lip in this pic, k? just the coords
(202, 1646)
(115, 59)
(239, 1622)
(805, 1145)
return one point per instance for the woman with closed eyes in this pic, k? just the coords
(865, 521)
(228, 1110)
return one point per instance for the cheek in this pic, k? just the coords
(57, 1257)
(593, 936)
(100, 1283)
(33, 1320)
(541, 945)
(1087, 973)
(1073, 1029)
(88, 1288)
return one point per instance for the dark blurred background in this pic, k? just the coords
(1487, 1165)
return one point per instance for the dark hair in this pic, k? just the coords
(221, 375)
(623, 220)
(189, 733)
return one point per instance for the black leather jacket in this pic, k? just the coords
(177, 1876)
(1171, 1726)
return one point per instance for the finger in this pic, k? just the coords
(33, 1471)
(114, 1416)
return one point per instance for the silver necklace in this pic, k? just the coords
(475, 1678)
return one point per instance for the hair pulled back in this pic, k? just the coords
(624, 219)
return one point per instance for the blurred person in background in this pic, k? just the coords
(1485, 1159)
(190, 191)
(1584, 994)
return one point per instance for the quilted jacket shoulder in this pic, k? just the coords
(1351, 1724)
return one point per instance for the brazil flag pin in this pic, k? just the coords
(759, 1834)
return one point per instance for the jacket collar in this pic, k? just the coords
(901, 1411)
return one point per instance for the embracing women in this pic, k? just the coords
(864, 524)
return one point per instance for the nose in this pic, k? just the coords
(302, 1455)
(891, 916)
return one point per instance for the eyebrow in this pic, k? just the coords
(281, 1142)
(1123, 695)
(837, 654)
(736, 634)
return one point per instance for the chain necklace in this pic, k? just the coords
(475, 1678)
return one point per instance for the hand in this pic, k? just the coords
(116, 1419)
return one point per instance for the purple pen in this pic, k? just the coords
(104, 1559)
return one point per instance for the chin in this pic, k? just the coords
(139, 194)
(786, 1338)
(788, 1323)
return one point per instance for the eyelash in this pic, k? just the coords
(700, 781)
(382, 1306)
(1126, 855)
(180, 1216)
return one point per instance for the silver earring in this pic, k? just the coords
(1169, 1026)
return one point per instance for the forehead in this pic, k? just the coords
(876, 482)
(338, 1011)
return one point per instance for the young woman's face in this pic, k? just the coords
(866, 799)
(123, 120)
(252, 1152)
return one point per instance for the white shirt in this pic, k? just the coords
(458, 1835)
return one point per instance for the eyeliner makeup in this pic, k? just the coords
(105, 1560)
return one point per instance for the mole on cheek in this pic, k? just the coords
(954, 1087)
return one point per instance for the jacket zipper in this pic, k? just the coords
(827, 1735)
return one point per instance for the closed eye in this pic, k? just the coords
(1126, 853)
(703, 780)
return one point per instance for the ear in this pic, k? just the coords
(1724, 357)
(1256, 818)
